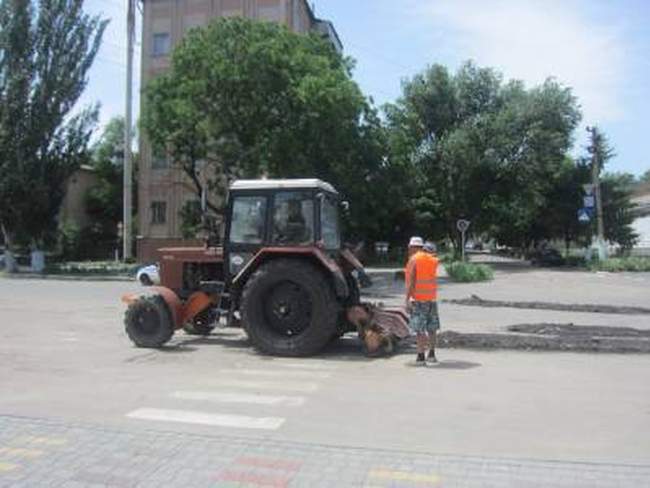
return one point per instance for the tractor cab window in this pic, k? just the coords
(248, 220)
(293, 218)
(329, 216)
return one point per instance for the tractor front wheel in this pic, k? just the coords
(148, 322)
(289, 308)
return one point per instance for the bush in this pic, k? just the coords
(617, 265)
(468, 272)
(92, 268)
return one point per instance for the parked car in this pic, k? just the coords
(547, 257)
(148, 275)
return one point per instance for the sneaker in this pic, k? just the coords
(431, 358)
(420, 361)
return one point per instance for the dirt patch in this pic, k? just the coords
(554, 337)
(578, 330)
(475, 301)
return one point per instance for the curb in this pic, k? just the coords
(55, 277)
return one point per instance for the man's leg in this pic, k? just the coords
(432, 342)
(418, 323)
(434, 325)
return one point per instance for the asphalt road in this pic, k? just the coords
(63, 354)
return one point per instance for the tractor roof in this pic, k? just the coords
(298, 184)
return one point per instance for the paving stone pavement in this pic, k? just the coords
(45, 453)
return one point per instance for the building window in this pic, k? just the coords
(162, 44)
(159, 158)
(158, 213)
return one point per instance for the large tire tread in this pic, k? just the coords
(324, 315)
(163, 332)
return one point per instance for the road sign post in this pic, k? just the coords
(462, 226)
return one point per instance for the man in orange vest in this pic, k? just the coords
(421, 300)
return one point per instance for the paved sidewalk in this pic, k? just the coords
(39, 452)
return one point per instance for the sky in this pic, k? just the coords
(598, 47)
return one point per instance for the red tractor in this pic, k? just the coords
(282, 273)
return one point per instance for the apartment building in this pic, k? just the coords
(163, 188)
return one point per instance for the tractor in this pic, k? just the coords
(282, 273)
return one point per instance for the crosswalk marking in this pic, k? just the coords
(45, 441)
(266, 385)
(385, 474)
(228, 397)
(20, 452)
(5, 467)
(277, 373)
(203, 418)
(311, 365)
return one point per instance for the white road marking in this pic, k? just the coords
(266, 385)
(204, 418)
(311, 365)
(277, 373)
(226, 397)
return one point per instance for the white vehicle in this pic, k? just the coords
(148, 275)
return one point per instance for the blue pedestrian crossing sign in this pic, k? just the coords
(584, 215)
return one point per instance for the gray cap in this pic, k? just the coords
(430, 247)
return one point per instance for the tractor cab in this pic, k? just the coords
(279, 215)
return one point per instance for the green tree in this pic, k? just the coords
(618, 210)
(46, 49)
(564, 200)
(104, 201)
(246, 99)
(481, 149)
(616, 192)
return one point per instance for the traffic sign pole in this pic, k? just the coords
(462, 226)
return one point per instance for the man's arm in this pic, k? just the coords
(410, 269)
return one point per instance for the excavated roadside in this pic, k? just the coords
(553, 337)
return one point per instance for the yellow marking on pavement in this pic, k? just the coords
(44, 441)
(385, 474)
(20, 452)
(4, 467)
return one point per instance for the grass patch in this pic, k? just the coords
(91, 268)
(618, 265)
(468, 272)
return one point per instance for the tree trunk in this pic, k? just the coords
(10, 261)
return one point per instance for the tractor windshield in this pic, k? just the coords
(293, 218)
(330, 232)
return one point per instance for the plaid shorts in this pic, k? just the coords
(424, 317)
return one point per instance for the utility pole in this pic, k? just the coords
(128, 124)
(596, 164)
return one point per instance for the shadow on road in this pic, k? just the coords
(455, 364)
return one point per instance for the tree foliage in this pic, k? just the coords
(46, 49)
(246, 99)
(481, 149)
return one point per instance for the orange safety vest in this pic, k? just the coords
(426, 272)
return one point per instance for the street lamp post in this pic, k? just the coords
(596, 162)
(128, 166)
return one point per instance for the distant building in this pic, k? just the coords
(73, 208)
(163, 188)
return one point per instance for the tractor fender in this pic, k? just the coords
(316, 254)
(171, 299)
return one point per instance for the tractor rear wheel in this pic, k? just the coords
(148, 322)
(289, 308)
